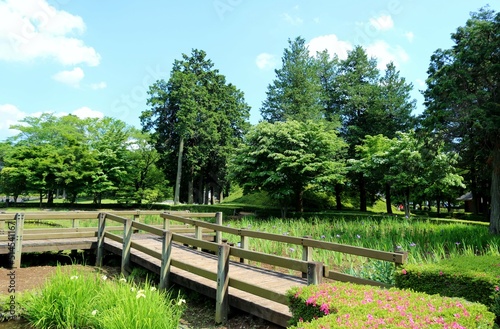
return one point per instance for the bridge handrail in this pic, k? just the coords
(314, 270)
(394, 257)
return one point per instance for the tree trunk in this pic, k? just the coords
(338, 196)
(50, 197)
(407, 202)
(388, 201)
(299, 200)
(495, 192)
(191, 188)
(198, 194)
(438, 204)
(179, 172)
(362, 193)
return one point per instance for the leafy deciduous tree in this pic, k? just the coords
(286, 158)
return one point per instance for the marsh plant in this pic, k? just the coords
(75, 299)
(425, 240)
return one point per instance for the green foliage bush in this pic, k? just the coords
(345, 305)
(77, 299)
(474, 278)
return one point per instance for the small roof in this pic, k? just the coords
(466, 197)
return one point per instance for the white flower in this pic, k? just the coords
(132, 289)
(140, 295)
(140, 291)
(74, 277)
(152, 288)
(104, 277)
(181, 301)
(123, 280)
(94, 312)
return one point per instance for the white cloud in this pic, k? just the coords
(266, 61)
(331, 43)
(409, 36)
(420, 84)
(71, 78)
(385, 53)
(382, 22)
(85, 112)
(293, 20)
(33, 29)
(9, 115)
(99, 85)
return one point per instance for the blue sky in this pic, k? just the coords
(97, 58)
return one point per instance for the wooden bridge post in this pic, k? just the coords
(18, 240)
(307, 253)
(75, 223)
(127, 242)
(222, 296)
(166, 259)
(314, 272)
(198, 234)
(244, 245)
(101, 230)
(218, 234)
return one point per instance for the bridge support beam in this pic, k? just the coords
(18, 241)
(101, 230)
(127, 243)
(218, 234)
(314, 272)
(222, 295)
(166, 259)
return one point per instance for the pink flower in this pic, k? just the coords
(497, 288)
(325, 309)
(310, 301)
(403, 271)
(440, 272)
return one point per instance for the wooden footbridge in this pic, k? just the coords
(187, 249)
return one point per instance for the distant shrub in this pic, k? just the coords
(475, 278)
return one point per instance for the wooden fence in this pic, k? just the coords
(169, 233)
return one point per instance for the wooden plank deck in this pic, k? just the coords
(264, 308)
(258, 306)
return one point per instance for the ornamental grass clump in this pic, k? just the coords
(345, 305)
(77, 299)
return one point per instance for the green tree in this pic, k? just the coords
(286, 158)
(195, 119)
(144, 180)
(463, 97)
(54, 152)
(109, 141)
(372, 160)
(296, 92)
(356, 97)
(369, 104)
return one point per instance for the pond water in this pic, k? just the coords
(19, 324)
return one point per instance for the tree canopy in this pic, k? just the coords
(463, 97)
(195, 118)
(286, 158)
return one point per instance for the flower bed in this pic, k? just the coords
(345, 305)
